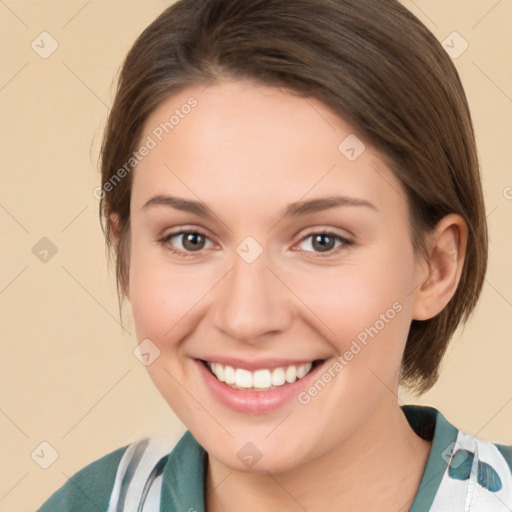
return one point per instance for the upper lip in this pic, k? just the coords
(260, 364)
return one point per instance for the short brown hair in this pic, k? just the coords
(374, 64)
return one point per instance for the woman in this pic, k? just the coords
(292, 193)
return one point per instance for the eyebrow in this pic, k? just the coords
(292, 210)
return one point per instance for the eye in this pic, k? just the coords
(191, 241)
(324, 242)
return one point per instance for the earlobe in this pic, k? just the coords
(439, 281)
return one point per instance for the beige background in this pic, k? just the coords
(68, 375)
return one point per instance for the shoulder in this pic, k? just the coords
(120, 480)
(462, 470)
(479, 472)
(88, 489)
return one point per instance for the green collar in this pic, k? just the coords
(184, 477)
(430, 424)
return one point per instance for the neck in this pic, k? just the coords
(384, 458)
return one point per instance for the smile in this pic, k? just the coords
(264, 379)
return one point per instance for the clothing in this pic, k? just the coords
(463, 473)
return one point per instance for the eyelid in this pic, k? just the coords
(325, 229)
(186, 228)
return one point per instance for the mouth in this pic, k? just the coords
(264, 379)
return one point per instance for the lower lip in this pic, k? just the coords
(255, 402)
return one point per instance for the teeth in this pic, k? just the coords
(278, 377)
(291, 374)
(229, 374)
(260, 379)
(243, 378)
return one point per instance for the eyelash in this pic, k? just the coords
(187, 254)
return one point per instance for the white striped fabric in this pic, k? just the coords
(139, 475)
(488, 466)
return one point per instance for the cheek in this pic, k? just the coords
(162, 302)
(166, 299)
(362, 306)
(156, 296)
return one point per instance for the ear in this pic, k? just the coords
(439, 279)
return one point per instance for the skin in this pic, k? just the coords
(351, 442)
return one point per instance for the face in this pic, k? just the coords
(265, 274)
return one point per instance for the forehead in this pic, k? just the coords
(237, 142)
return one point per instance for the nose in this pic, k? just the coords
(254, 303)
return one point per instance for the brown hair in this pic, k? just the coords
(374, 64)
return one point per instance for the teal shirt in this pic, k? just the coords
(453, 474)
